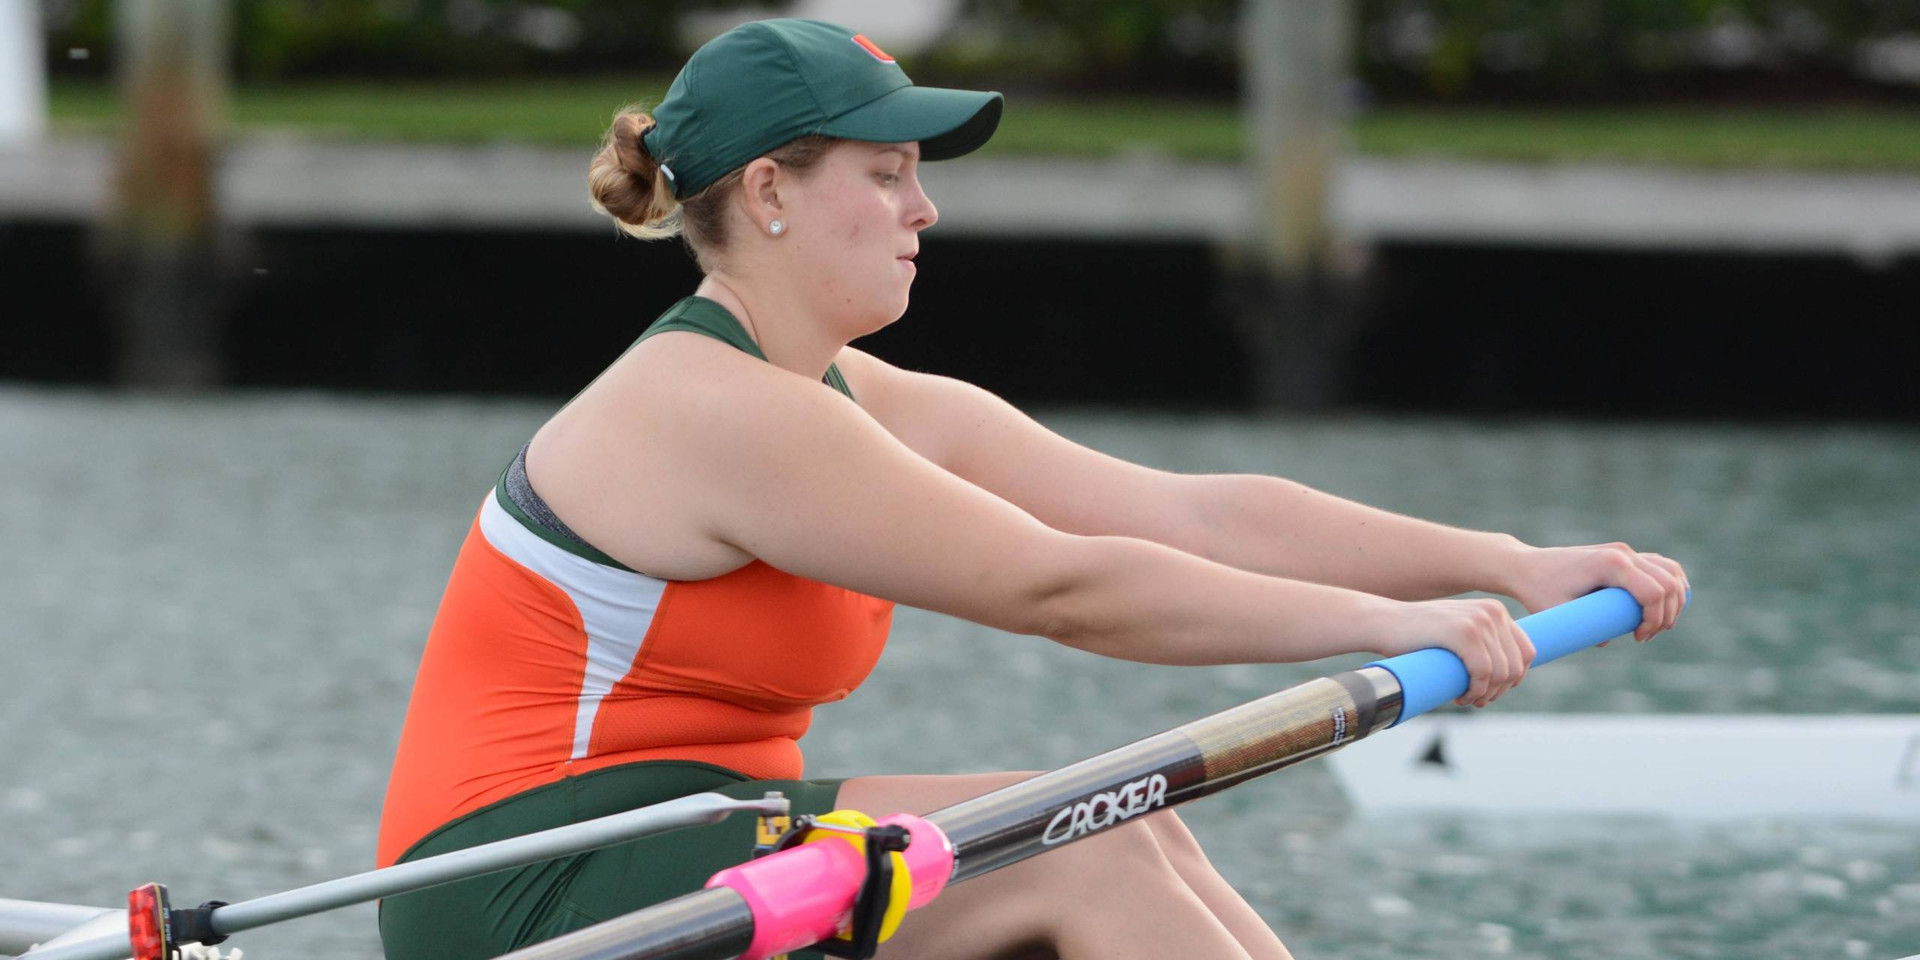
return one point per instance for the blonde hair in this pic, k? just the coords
(626, 184)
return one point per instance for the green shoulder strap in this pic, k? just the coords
(703, 316)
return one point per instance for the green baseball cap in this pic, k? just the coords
(766, 83)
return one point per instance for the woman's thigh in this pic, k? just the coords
(921, 794)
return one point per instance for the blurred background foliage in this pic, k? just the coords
(1634, 49)
(311, 39)
(1407, 50)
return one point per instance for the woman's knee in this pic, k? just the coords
(1123, 855)
(1177, 843)
(1130, 893)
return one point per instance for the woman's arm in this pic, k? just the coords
(1260, 524)
(1279, 526)
(1289, 529)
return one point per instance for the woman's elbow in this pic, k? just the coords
(1071, 596)
(1029, 587)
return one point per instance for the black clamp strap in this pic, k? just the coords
(876, 891)
(876, 894)
(196, 925)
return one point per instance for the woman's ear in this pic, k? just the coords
(760, 194)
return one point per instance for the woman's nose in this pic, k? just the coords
(925, 213)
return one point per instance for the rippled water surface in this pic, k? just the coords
(211, 610)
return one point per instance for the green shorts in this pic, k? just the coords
(487, 916)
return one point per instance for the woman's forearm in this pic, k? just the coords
(1139, 600)
(1136, 600)
(1278, 527)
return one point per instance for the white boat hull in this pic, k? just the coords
(1713, 767)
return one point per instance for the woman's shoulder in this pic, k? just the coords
(875, 384)
(685, 374)
(863, 372)
(915, 407)
(630, 464)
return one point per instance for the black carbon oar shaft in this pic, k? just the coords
(1193, 760)
(711, 924)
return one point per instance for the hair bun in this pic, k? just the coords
(629, 148)
(626, 183)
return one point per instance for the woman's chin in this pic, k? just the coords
(890, 317)
(878, 317)
(897, 307)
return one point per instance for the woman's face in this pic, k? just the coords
(853, 225)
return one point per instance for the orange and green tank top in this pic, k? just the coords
(548, 658)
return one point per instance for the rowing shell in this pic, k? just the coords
(1691, 767)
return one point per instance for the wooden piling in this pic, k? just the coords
(162, 264)
(1291, 307)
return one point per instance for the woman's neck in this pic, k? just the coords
(788, 337)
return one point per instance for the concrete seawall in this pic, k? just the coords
(293, 182)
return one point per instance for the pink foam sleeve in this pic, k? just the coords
(804, 895)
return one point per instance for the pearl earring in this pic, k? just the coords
(777, 227)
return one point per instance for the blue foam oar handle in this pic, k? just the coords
(1431, 677)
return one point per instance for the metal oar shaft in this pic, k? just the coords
(700, 808)
(695, 810)
(26, 922)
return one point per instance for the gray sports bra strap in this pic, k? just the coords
(516, 495)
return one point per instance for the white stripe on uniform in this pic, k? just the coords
(617, 607)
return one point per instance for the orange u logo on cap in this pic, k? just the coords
(872, 48)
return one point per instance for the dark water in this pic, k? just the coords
(211, 610)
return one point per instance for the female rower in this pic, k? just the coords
(708, 541)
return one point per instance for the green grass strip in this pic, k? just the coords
(575, 111)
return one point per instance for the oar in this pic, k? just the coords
(222, 921)
(804, 895)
